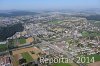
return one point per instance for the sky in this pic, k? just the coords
(48, 4)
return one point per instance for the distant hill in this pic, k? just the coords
(16, 13)
(90, 17)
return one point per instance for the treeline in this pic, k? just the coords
(91, 17)
(9, 31)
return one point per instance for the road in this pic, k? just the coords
(55, 48)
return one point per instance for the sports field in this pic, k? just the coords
(22, 40)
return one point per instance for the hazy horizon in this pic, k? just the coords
(48, 4)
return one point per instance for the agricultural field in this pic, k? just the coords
(30, 54)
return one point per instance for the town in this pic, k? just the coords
(52, 36)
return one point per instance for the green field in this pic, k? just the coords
(3, 47)
(61, 64)
(96, 57)
(85, 34)
(96, 23)
(22, 40)
(27, 56)
(90, 60)
(55, 22)
(90, 33)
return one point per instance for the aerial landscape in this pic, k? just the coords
(49, 33)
